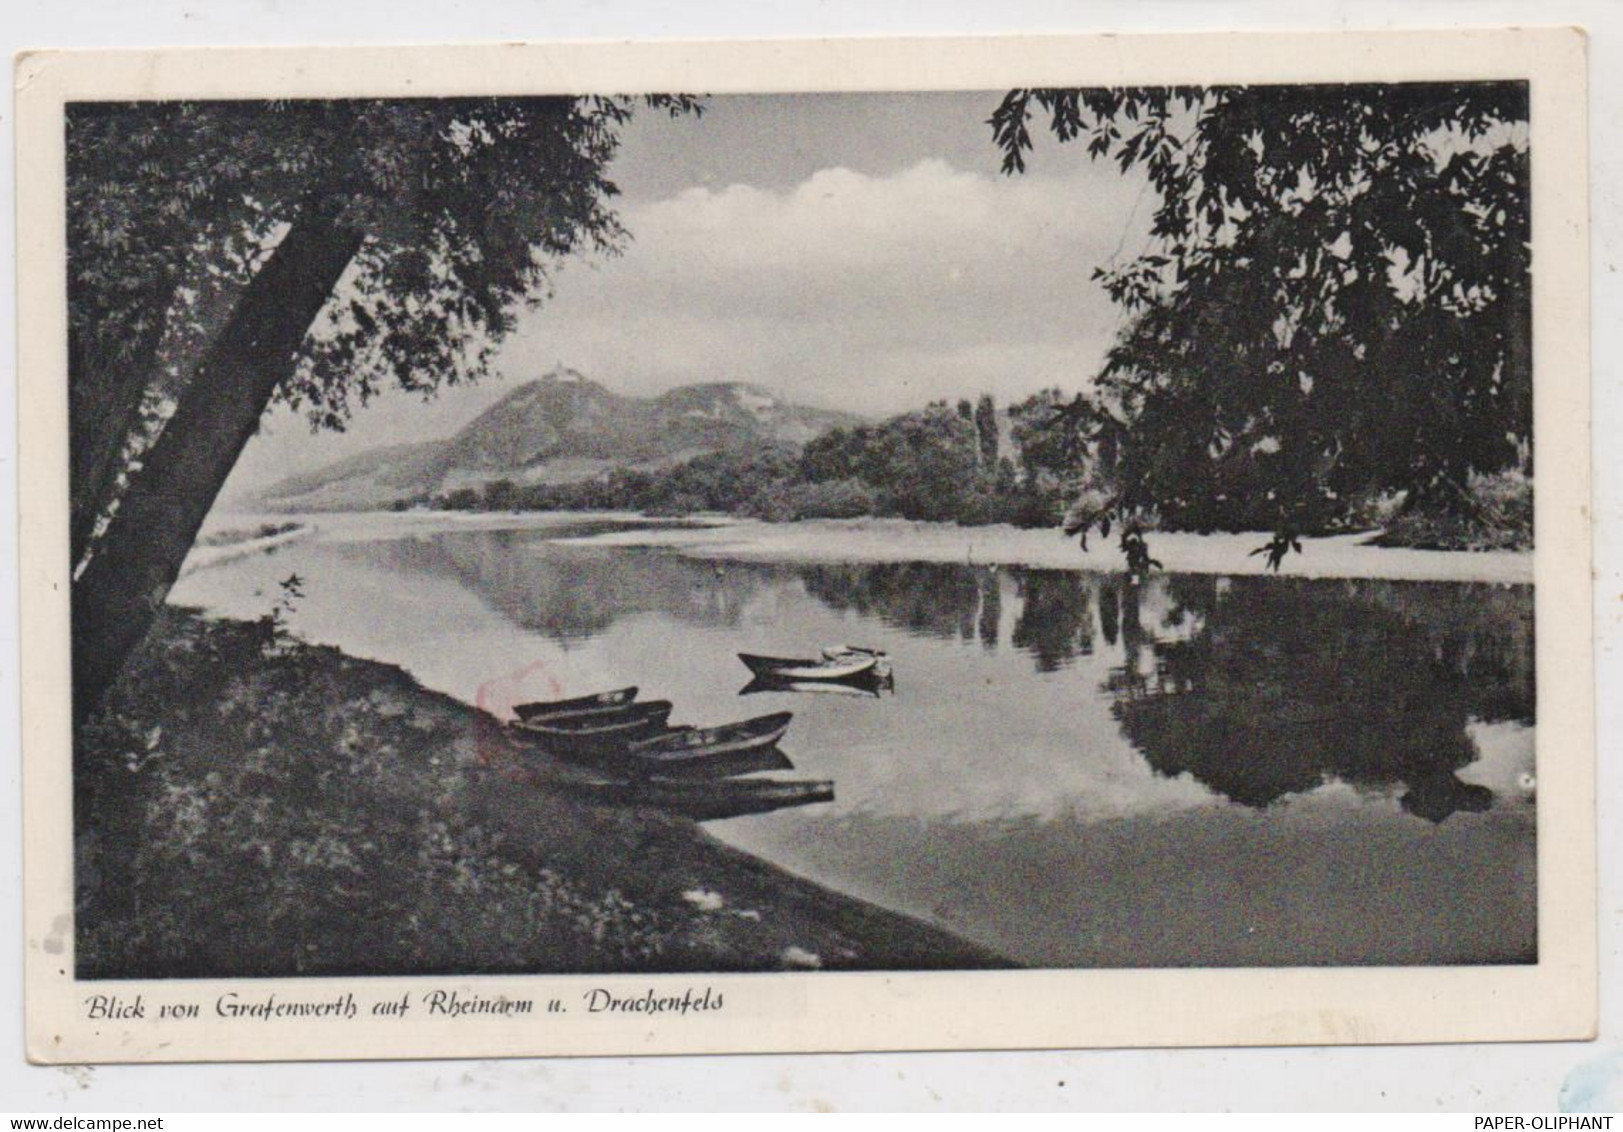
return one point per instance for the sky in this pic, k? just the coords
(854, 251)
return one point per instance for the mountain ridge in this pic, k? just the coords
(560, 428)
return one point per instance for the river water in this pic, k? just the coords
(1072, 769)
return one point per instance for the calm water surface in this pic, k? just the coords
(1073, 770)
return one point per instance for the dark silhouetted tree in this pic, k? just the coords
(225, 254)
(986, 430)
(920, 465)
(1335, 303)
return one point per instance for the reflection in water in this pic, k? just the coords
(1256, 687)
(1110, 614)
(569, 592)
(991, 599)
(930, 599)
(1073, 770)
(1280, 688)
(1056, 617)
(866, 685)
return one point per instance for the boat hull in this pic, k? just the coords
(595, 737)
(786, 668)
(602, 703)
(712, 764)
(747, 735)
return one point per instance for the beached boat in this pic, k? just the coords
(656, 711)
(655, 754)
(711, 801)
(707, 764)
(785, 668)
(602, 703)
(595, 736)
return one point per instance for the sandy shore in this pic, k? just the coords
(723, 537)
(203, 557)
(899, 540)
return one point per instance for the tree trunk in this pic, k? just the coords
(138, 559)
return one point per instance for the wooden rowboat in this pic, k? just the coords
(784, 668)
(654, 710)
(713, 752)
(595, 736)
(837, 652)
(602, 703)
(707, 764)
(746, 735)
(833, 654)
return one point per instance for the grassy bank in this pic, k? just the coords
(251, 806)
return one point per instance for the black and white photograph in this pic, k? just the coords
(690, 533)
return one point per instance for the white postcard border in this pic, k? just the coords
(1555, 999)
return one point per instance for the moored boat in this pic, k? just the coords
(838, 652)
(786, 668)
(602, 703)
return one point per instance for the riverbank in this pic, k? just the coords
(901, 540)
(249, 806)
(725, 538)
(222, 546)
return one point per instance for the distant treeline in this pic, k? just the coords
(940, 463)
(957, 464)
(264, 530)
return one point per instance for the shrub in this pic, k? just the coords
(1496, 513)
(831, 499)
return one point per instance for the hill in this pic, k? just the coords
(561, 428)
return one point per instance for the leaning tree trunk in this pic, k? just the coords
(139, 557)
(104, 413)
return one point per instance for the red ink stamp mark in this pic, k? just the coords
(496, 699)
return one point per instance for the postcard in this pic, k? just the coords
(835, 545)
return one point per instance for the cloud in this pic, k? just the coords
(875, 293)
(872, 293)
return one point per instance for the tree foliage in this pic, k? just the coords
(931, 464)
(222, 255)
(986, 430)
(463, 206)
(1335, 301)
(921, 464)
